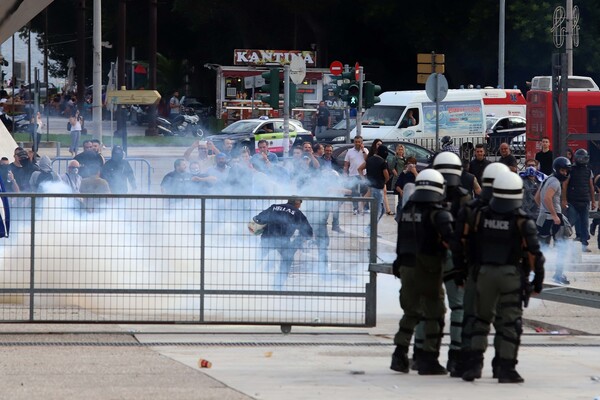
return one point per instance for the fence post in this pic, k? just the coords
(32, 260)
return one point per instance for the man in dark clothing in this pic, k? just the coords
(323, 118)
(326, 161)
(90, 161)
(377, 176)
(545, 157)
(178, 181)
(281, 222)
(22, 169)
(117, 172)
(478, 164)
(408, 175)
(578, 192)
(506, 158)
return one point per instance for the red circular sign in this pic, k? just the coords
(357, 71)
(336, 68)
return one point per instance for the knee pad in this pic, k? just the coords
(519, 326)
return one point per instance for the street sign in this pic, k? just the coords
(336, 68)
(357, 71)
(425, 58)
(133, 96)
(428, 68)
(297, 69)
(441, 86)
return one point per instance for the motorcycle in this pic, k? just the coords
(184, 124)
(16, 123)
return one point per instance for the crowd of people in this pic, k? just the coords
(87, 172)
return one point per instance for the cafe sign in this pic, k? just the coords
(272, 57)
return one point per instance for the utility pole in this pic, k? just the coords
(121, 22)
(80, 54)
(151, 131)
(501, 46)
(97, 71)
(569, 37)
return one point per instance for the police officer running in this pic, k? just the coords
(467, 278)
(509, 238)
(282, 221)
(424, 232)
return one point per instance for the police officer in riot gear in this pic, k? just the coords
(508, 235)
(467, 277)
(450, 166)
(425, 228)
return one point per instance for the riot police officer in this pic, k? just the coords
(450, 166)
(467, 278)
(507, 234)
(424, 231)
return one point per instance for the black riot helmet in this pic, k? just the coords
(446, 140)
(561, 163)
(581, 157)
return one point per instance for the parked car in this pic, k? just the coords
(247, 133)
(337, 133)
(424, 156)
(517, 145)
(201, 106)
(502, 130)
(45, 90)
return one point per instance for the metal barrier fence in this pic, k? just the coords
(142, 170)
(465, 145)
(180, 259)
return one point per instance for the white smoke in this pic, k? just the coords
(155, 244)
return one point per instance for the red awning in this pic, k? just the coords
(244, 73)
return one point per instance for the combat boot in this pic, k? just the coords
(429, 365)
(400, 359)
(455, 364)
(473, 366)
(507, 372)
(414, 362)
(495, 367)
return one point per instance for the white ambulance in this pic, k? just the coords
(406, 115)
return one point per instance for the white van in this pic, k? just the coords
(461, 117)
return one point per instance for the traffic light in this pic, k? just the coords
(271, 86)
(351, 89)
(353, 92)
(370, 90)
(292, 95)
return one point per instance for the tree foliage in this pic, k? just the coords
(384, 36)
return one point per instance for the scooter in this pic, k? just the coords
(184, 124)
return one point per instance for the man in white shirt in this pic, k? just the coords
(355, 157)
